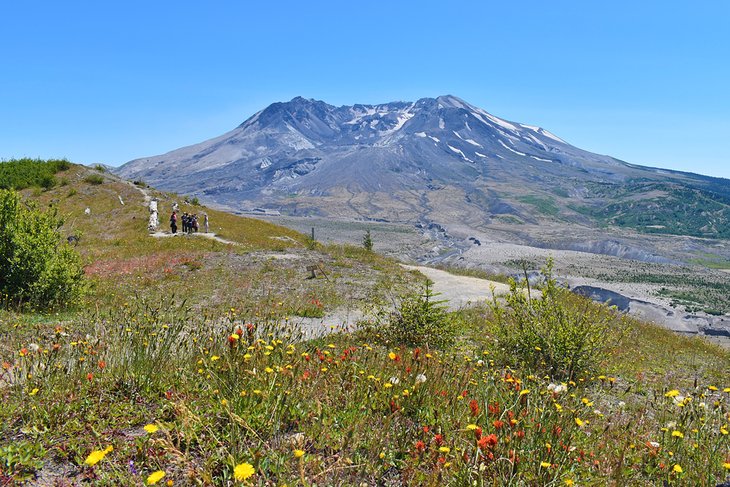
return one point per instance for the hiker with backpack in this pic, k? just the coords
(173, 222)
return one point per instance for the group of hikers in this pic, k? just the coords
(189, 222)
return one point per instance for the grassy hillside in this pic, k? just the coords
(188, 360)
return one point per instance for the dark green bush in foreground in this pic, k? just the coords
(36, 267)
(556, 333)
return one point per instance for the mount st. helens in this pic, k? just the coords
(435, 160)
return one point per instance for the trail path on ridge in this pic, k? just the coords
(460, 291)
(211, 236)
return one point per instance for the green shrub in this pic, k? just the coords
(558, 334)
(28, 173)
(419, 320)
(36, 267)
(94, 179)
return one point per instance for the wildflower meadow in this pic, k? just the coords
(155, 395)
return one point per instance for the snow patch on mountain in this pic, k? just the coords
(552, 136)
(400, 121)
(459, 152)
(511, 149)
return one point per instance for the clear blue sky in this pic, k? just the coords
(645, 81)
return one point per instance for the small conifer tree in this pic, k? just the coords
(367, 241)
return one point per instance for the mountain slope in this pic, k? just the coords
(436, 159)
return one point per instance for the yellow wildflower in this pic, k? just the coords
(243, 471)
(151, 428)
(97, 455)
(155, 477)
(579, 422)
(672, 393)
(298, 453)
(677, 434)
(392, 356)
(444, 449)
(677, 468)
(545, 464)
(471, 427)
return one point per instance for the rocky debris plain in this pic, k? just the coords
(716, 327)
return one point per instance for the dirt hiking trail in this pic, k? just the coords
(460, 291)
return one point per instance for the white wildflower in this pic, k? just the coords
(557, 388)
